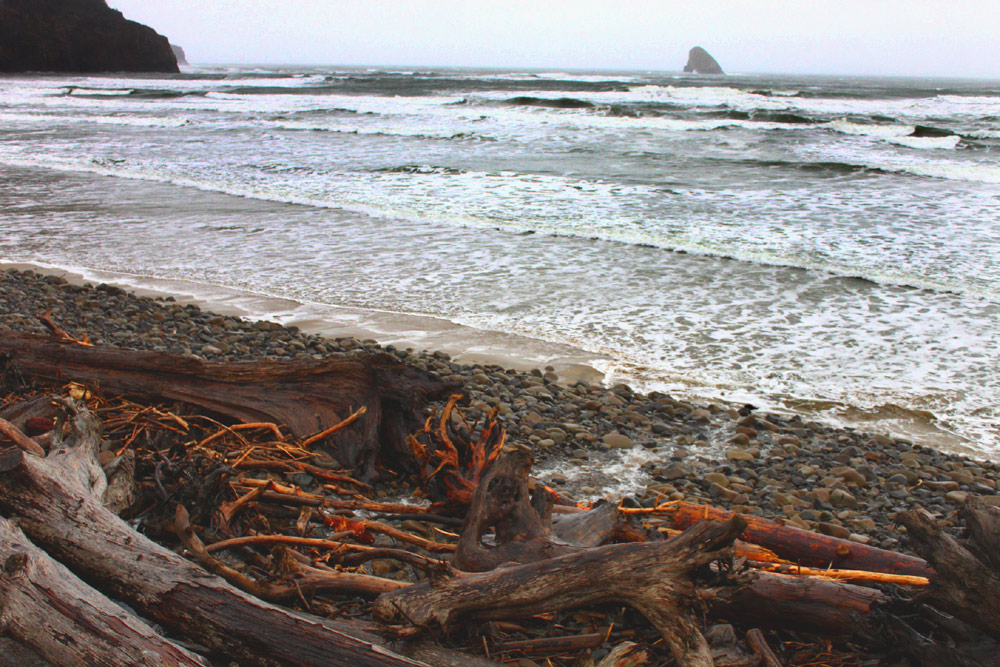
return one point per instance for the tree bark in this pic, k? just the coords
(45, 606)
(307, 396)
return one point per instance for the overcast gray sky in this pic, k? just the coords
(911, 37)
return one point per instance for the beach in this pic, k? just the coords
(588, 440)
(774, 293)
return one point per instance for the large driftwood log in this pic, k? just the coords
(56, 502)
(829, 608)
(45, 606)
(656, 578)
(307, 396)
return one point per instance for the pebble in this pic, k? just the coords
(717, 478)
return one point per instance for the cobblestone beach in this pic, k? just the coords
(589, 440)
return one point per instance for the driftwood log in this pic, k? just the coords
(656, 578)
(44, 605)
(805, 547)
(57, 503)
(307, 396)
(829, 608)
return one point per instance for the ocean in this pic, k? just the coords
(828, 246)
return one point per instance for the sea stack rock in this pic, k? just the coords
(179, 54)
(701, 61)
(77, 36)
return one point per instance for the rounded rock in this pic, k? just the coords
(618, 441)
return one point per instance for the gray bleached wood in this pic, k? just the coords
(44, 605)
(654, 577)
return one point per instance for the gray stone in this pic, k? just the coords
(833, 530)
(841, 498)
(957, 497)
(701, 416)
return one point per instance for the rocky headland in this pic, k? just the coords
(77, 36)
(588, 440)
(701, 61)
(179, 54)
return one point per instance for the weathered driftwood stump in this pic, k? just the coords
(522, 521)
(307, 396)
(522, 531)
(57, 501)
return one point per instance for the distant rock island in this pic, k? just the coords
(179, 54)
(77, 36)
(701, 61)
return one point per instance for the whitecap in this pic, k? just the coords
(946, 143)
(845, 126)
(136, 121)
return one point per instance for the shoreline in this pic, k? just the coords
(426, 333)
(469, 345)
(589, 441)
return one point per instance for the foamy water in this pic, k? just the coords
(820, 245)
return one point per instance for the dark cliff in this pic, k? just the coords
(701, 62)
(77, 36)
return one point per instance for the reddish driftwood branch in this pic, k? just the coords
(802, 546)
(14, 434)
